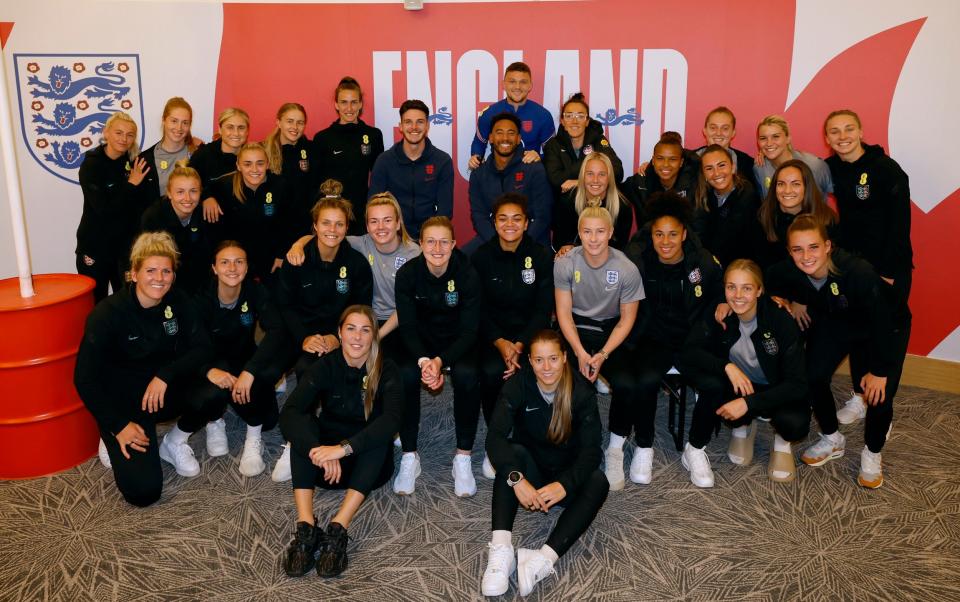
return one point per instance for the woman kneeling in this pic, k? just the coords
(348, 446)
(551, 457)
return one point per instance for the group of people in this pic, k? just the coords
(336, 260)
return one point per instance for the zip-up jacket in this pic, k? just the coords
(261, 222)
(873, 199)
(640, 186)
(566, 218)
(563, 163)
(767, 253)
(195, 242)
(347, 153)
(522, 416)
(677, 296)
(299, 173)
(152, 177)
(726, 231)
(112, 206)
(125, 345)
(517, 290)
(423, 188)
(338, 391)
(438, 315)
(312, 296)
(211, 162)
(529, 179)
(779, 348)
(536, 125)
(853, 303)
(232, 329)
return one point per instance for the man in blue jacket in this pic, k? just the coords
(505, 171)
(418, 174)
(536, 123)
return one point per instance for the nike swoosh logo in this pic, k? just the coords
(531, 409)
(337, 152)
(609, 288)
(131, 337)
(307, 284)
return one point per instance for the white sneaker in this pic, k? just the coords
(251, 460)
(406, 480)
(217, 438)
(464, 485)
(641, 467)
(532, 568)
(853, 410)
(397, 443)
(603, 387)
(181, 456)
(281, 470)
(103, 455)
(871, 469)
(696, 461)
(613, 468)
(488, 470)
(829, 447)
(500, 565)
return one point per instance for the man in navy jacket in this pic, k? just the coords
(418, 174)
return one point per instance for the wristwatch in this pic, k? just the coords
(514, 477)
(347, 448)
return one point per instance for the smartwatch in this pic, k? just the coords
(514, 477)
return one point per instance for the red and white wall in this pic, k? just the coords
(896, 63)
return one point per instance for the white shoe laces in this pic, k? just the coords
(500, 557)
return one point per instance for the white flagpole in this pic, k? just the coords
(12, 177)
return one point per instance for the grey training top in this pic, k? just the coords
(163, 158)
(384, 267)
(744, 355)
(598, 292)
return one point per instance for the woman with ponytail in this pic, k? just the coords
(347, 445)
(545, 441)
(290, 155)
(174, 149)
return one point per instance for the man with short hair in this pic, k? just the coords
(536, 123)
(505, 170)
(418, 174)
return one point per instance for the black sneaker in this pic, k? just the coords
(301, 555)
(333, 551)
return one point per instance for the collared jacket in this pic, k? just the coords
(195, 242)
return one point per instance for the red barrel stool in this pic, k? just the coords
(44, 426)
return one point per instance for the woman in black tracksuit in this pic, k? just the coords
(516, 280)
(242, 372)
(873, 199)
(545, 439)
(256, 207)
(137, 365)
(750, 366)
(219, 156)
(726, 205)
(671, 169)
(176, 213)
(793, 191)
(348, 148)
(292, 157)
(111, 178)
(438, 308)
(846, 309)
(682, 282)
(577, 137)
(340, 421)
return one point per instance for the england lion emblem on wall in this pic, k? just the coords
(66, 99)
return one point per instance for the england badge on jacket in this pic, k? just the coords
(65, 100)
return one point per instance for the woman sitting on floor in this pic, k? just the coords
(545, 441)
(348, 445)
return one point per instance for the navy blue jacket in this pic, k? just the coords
(536, 125)
(423, 188)
(529, 179)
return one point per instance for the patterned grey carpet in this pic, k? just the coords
(219, 536)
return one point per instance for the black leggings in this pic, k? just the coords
(105, 271)
(826, 348)
(466, 400)
(491, 368)
(262, 409)
(140, 479)
(362, 472)
(651, 362)
(580, 506)
(791, 420)
(620, 371)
